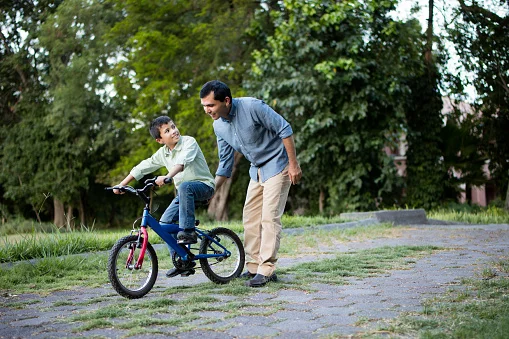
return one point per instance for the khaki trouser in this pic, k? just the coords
(264, 206)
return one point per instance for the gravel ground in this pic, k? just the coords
(329, 311)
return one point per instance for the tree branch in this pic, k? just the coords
(475, 9)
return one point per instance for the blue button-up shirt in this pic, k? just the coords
(254, 129)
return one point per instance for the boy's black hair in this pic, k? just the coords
(220, 89)
(156, 124)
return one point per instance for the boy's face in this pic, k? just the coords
(215, 108)
(170, 135)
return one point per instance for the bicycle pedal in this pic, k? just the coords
(188, 273)
(186, 242)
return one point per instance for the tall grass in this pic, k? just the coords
(53, 242)
(471, 214)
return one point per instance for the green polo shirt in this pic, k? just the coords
(187, 152)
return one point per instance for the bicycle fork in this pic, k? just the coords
(132, 249)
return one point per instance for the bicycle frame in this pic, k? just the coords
(165, 230)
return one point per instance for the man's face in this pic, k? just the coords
(170, 135)
(215, 108)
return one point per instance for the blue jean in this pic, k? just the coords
(182, 207)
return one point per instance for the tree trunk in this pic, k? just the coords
(321, 201)
(429, 34)
(69, 219)
(506, 205)
(218, 207)
(81, 211)
(59, 214)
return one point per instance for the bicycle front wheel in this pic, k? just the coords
(225, 267)
(128, 281)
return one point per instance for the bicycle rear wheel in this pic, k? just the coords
(222, 269)
(126, 280)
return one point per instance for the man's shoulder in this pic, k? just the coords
(247, 101)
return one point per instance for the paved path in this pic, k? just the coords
(330, 311)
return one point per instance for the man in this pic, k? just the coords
(265, 138)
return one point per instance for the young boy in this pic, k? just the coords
(186, 164)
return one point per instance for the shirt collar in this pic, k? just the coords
(178, 147)
(232, 114)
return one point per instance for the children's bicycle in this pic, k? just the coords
(133, 265)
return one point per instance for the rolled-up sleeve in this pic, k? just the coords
(226, 153)
(272, 120)
(148, 166)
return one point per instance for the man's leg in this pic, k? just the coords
(275, 195)
(251, 219)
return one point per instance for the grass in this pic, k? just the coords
(89, 269)
(184, 305)
(479, 310)
(56, 242)
(471, 214)
(45, 245)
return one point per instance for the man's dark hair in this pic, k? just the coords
(156, 124)
(220, 89)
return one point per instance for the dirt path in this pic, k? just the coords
(330, 311)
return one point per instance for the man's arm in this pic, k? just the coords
(220, 180)
(294, 168)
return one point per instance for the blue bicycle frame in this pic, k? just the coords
(165, 231)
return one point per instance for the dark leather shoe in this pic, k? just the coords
(187, 237)
(260, 280)
(247, 275)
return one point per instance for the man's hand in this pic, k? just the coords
(295, 173)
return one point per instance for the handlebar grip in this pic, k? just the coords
(168, 180)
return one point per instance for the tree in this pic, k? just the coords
(22, 102)
(482, 42)
(169, 50)
(337, 71)
(60, 147)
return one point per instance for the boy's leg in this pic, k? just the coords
(251, 219)
(188, 193)
(171, 216)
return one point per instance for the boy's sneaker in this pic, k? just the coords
(187, 237)
(177, 271)
(185, 271)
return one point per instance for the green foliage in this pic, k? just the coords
(63, 137)
(336, 71)
(426, 171)
(481, 36)
(169, 50)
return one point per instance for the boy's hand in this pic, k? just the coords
(117, 191)
(161, 180)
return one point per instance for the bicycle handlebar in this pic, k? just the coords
(141, 192)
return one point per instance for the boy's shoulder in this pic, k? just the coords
(188, 138)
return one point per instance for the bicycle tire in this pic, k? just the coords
(222, 270)
(128, 282)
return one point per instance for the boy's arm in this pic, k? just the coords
(174, 171)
